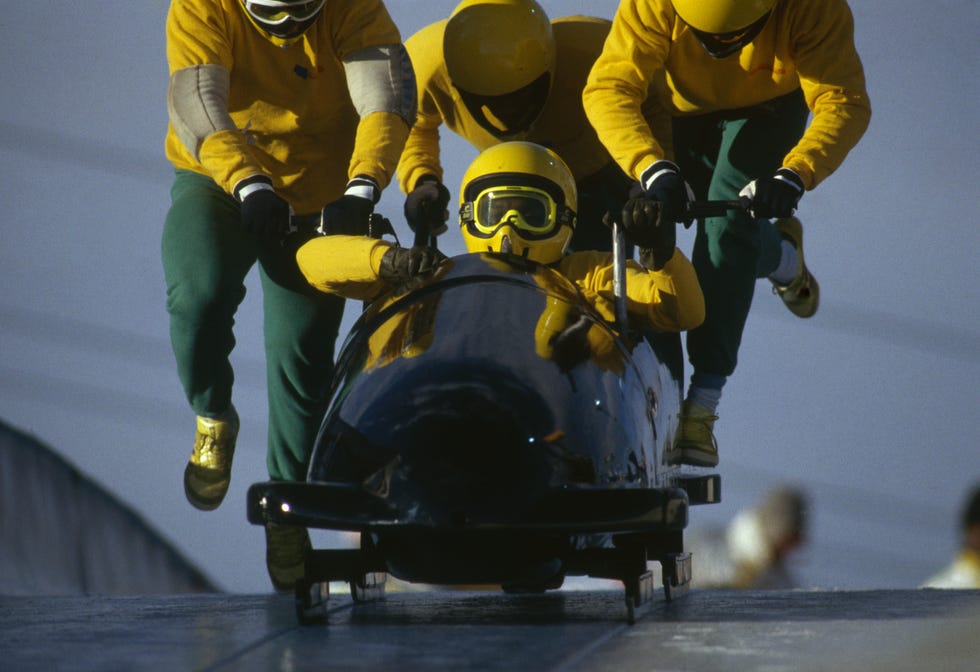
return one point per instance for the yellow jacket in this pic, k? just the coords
(808, 45)
(288, 101)
(666, 300)
(562, 125)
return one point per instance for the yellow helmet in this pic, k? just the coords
(721, 16)
(500, 56)
(724, 27)
(518, 197)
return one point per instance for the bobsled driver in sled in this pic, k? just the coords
(519, 198)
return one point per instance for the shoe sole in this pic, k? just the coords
(793, 229)
(691, 455)
(196, 499)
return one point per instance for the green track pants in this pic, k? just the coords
(206, 256)
(718, 154)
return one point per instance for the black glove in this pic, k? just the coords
(264, 213)
(404, 267)
(776, 195)
(351, 213)
(427, 205)
(645, 226)
(662, 182)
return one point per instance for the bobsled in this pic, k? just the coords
(490, 427)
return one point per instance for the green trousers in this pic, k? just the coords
(718, 154)
(206, 256)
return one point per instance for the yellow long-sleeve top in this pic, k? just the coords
(667, 300)
(562, 125)
(293, 117)
(808, 45)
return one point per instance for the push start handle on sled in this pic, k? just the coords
(699, 209)
(423, 236)
(695, 210)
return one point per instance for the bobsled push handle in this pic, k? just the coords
(695, 210)
(619, 275)
(423, 236)
(701, 209)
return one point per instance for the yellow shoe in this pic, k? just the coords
(695, 443)
(802, 296)
(285, 555)
(208, 472)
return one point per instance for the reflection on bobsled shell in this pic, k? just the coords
(479, 386)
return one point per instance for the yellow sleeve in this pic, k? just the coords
(667, 300)
(421, 154)
(832, 78)
(379, 142)
(360, 23)
(380, 136)
(620, 79)
(200, 33)
(344, 265)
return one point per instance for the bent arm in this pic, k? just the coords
(381, 83)
(669, 299)
(421, 155)
(619, 82)
(832, 79)
(344, 265)
(199, 54)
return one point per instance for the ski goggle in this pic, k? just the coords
(532, 212)
(276, 12)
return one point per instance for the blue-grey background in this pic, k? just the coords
(871, 406)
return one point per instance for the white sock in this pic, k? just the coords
(704, 397)
(785, 273)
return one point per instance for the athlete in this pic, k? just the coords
(501, 70)
(276, 107)
(740, 79)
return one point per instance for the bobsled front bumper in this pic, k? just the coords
(340, 506)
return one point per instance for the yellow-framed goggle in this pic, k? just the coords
(531, 211)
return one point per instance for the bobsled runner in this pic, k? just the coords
(490, 427)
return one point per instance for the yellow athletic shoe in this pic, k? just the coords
(285, 555)
(802, 296)
(208, 472)
(695, 443)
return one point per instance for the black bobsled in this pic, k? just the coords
(489, 427)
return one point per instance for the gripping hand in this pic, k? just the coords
(404, 267)
(776, 195)
(264, 213)
(645, 226)
(426, 206)
(662, 182)
(351, 213)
